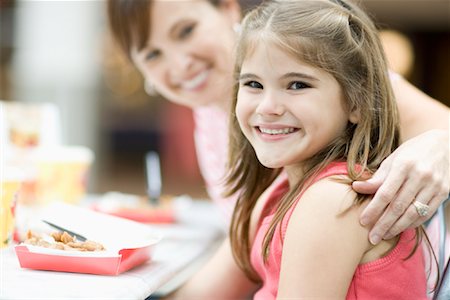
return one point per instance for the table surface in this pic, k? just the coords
(185, 247)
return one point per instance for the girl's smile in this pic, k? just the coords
(275, 132)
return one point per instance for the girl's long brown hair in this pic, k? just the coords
(340, 39)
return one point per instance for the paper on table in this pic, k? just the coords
(44, 250)
(113, 232)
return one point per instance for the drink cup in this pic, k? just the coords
(61, 173)
(11, 181)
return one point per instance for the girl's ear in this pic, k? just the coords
(232, 9)
(354, 115)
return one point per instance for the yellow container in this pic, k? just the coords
(9, 190)
(62, 174)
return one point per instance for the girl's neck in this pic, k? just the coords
(294, 173)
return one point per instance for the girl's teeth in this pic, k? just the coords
(277, 131)
(196, 81)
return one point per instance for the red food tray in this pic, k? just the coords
(127, 243)
(101, 265)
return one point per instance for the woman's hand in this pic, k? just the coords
(417, 171)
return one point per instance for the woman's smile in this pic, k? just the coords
(196, 83)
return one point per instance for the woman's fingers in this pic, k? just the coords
(411, 218)
(417, 171)
(397, 195)
(433, 190)
(367, 187)
(401, 214)
(379, 203)
(371, 185)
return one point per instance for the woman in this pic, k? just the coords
(184, 51)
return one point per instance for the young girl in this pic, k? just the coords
(314, 99)
(184, 49)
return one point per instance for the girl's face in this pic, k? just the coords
(188, 57)
(288, 110)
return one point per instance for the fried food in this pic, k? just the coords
(62, 241)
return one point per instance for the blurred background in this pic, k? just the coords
(61, 52)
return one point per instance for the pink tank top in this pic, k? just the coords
(390, 277)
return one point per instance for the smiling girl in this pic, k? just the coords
(314, 100)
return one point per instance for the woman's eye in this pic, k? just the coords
(253, 84)
(297, 85)
(186, 31)
(152, 55)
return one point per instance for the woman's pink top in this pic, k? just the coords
(390, 277)
(211, 143)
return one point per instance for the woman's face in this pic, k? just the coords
(188, 57)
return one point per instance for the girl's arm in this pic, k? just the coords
(417, 170)
(323, 244)
(219, 279)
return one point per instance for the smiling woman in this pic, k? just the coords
(184, 49)
(176, 48)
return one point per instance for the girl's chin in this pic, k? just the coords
(270, 164)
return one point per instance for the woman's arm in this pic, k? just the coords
(418, 111)
(323, 245)
(219, 279)
(417, 171)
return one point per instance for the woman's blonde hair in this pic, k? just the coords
(335, 36)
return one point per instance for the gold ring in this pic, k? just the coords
(422, 209)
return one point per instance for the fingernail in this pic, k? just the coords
(364, 221)
(374, 239)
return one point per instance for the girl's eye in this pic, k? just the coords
(297, 85)
(186, 31)
(253, 84)
(152, 55)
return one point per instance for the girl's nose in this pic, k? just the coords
(270, 105)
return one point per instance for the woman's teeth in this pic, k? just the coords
(277, 131)
(196, 81)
